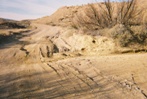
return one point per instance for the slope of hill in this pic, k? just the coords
(11, 24)
(61, 16)
(52, 61)
(64, 15)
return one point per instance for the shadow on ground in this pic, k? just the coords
(12, 39)
(48, 85)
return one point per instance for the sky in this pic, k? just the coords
(32, 9)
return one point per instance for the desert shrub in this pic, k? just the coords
(108, 14)
(124, 39)
(122, 35)
(126, 36)
(141, 36)
(115, 19)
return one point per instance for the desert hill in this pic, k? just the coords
(64, 15)
(50, 59)
(11, 24)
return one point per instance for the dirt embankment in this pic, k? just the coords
(57, 62)
(28, 70)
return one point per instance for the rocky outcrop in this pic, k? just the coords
(71, 40)
(45, 47)
(42, 49)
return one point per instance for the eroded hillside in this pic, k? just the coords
(53, 60)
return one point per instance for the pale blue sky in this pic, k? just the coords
(31, 9)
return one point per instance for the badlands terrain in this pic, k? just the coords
(48, 59)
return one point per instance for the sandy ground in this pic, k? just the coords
(112, 76)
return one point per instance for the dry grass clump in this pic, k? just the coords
(127, 36)
(140, 34)
(122, 35)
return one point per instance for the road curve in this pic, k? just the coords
(81, 77)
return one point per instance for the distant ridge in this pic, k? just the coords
(11, 24)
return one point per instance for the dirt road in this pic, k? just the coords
(120, 76)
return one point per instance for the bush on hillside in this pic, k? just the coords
(108, 14)
(118, 17)
(126, 36)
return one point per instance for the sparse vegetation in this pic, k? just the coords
(12, 24)
(127, 36)
(117, 17)
(122, 35)
(108, 14)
